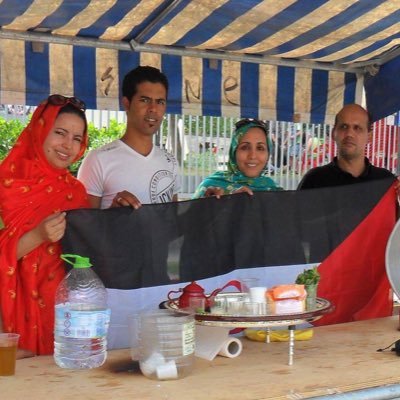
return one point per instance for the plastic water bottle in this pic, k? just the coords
(81, 317)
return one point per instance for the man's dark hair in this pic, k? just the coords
(142, 74)
(370, 122)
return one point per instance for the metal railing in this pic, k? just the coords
(201, 144)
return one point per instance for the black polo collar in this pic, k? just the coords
(364, 174)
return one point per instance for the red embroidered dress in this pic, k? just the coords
(31, 190)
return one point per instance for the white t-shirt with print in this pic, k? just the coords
(115, 167)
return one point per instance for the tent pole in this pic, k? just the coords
(59, 39)
(257, 59)
(171, 50)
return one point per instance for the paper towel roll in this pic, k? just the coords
(231, 348)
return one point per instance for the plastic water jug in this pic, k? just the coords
(81, 317)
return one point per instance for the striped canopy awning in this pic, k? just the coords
(271, 59)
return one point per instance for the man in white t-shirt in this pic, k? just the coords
(131, 170)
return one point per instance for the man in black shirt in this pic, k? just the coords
(351, 132)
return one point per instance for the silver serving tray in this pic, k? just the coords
(322, 307)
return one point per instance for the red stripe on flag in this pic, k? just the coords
(353, 276)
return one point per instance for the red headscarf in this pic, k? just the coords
(31, 190)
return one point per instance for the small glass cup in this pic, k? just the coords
(257, 294)
(197, 304)
(264, 308)
(8, 353)
(217, 305)
(251, 308)
(235, 307)
(248, 283)
(311, 299)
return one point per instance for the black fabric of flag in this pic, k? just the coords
(191, 240)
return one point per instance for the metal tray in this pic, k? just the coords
(322, 307)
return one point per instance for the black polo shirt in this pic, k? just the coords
(331, 175)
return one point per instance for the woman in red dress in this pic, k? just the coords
(36, 188)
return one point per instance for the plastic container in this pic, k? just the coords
(81, 317)
(166, 344)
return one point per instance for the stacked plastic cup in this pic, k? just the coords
(166, 344)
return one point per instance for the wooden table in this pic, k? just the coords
(339, 358)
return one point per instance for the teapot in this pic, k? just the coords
(194, 290)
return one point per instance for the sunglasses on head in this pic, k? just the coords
(59, 100)
(247, 121)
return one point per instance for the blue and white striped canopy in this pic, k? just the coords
(271, 59)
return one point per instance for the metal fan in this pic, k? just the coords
(393, 259)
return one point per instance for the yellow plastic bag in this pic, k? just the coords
(278, 336)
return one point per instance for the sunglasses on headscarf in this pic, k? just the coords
(247, 121)
(59, 100)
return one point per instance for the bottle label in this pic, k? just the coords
(81, 324)
(188, 338)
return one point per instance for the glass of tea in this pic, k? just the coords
(8, 353)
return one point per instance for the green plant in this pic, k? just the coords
(206, 161)
(308, 277)
(9, 131)
(100, 136)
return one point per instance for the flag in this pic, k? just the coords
(353, 276)
(141, 255)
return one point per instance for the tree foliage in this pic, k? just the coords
(9, 131)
